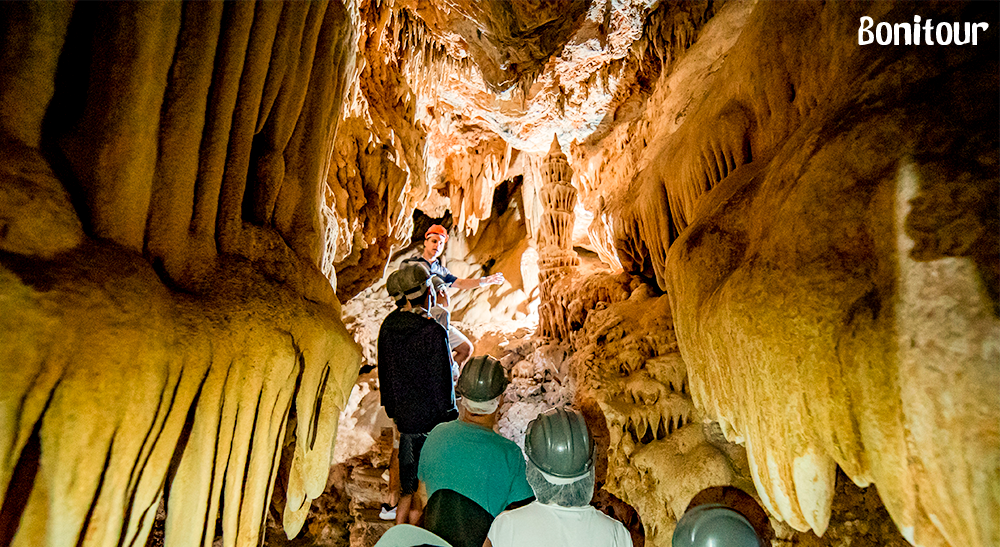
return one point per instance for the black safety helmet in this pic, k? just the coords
(714, 525)
(559, 443)
(482, 379)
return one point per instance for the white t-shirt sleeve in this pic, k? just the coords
(500, 534)
(622, 537)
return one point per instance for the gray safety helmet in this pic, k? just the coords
(482, 379)
(414, 279)
(559, 444)
(393, 286)
(714, 525)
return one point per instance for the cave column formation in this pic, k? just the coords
(556, 258)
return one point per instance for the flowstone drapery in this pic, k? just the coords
(631, 377)
(167, 334)
(119, 394)
(797, 240)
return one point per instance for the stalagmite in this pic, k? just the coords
(555, 255)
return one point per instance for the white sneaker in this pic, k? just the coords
(387, 513)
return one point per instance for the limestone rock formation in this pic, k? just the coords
(167, 332)
(631, 376)
(555, 257)
(798, 246)
(189, 190)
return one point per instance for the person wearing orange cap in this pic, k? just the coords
(434, 240)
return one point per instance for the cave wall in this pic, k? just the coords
(758, 166)
(168, 334)
(824, 220)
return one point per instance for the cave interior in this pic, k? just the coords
(758, 248)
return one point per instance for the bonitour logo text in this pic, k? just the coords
(919, 32)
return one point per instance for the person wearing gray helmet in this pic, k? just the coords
(560, 470)
(468, 458)
(394, 286)
(714, 525)
(415, 377)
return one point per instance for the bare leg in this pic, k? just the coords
(394, 488)
(403, 509)
(462, 353)
(416, 512)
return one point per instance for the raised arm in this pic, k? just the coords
(475, 283)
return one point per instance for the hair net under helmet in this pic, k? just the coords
(575, 494)
(559, 444)
(714, 525)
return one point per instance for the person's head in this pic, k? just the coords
(560, 454)
(434, 240)
(415, 284)
(393, 286)
(481, 385)
(440, 291)
(714, 525)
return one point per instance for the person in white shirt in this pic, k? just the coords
(560, 471)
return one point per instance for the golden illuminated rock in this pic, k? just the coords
(167, 332)
(556, 258)
(188, 190)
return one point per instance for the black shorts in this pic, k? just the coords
(410, 445)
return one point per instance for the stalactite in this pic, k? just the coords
(163, 351)
(142, 411)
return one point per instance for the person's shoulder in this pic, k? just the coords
(394, 316)
(523, 511)
(389, 322)
(443, 428)
(622, 536)
(610, 521)
(435, 434)
(504, 442)
(428, 322)
(412, 317)
(397, 320)
(433, 328)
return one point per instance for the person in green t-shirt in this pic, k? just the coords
(467, 456)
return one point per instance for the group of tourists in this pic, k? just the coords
(460, 483)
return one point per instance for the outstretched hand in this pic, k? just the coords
(494, 279)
